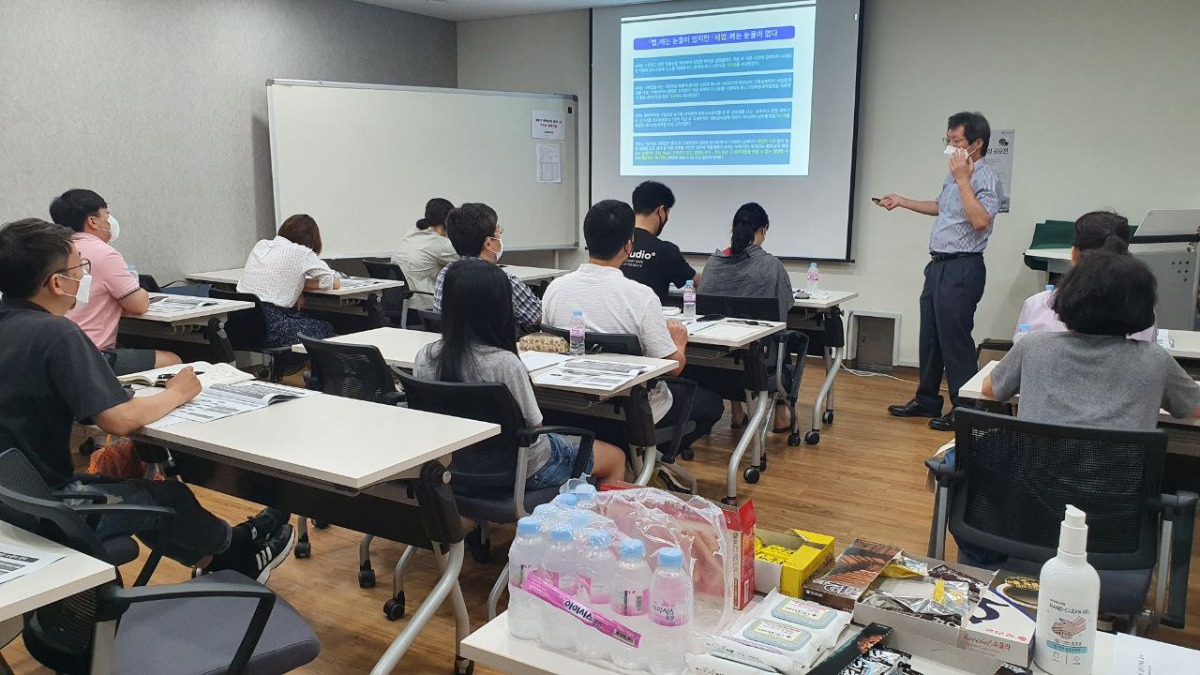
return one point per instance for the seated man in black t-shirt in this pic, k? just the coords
(53, 375)
(654, 262)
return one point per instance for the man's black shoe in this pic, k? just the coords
(912, 409)
(943, 423)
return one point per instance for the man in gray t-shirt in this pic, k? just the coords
(1093, 380)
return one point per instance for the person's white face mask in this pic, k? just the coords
(500, 250)
(114, 228)
(84, 293)
(950, 151)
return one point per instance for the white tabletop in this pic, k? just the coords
(1185, 344)
(531, 275)
(398, 345)
(762, 330)
(827, 300)
(343, 441)
(74, 573)
(231, 278)
(1050, 253)
(652, 368)
(212, 307)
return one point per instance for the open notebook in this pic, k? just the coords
(208, 373)
(222, 400)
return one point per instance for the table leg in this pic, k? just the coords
(824, 402)
(446, 584)
(462, 620)
(752, 429)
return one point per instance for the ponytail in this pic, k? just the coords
(1102, 231)
(423, 224)
(436, 210)
(748, 220)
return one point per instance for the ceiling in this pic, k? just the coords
(468, 10)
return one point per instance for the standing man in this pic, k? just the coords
(654, 262)
(965, 211)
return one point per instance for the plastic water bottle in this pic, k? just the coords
(567, 500)
(1022, 331)
(1049, 287)
(630, 601)
(559, 569)
(578, 346)
(524, 558)
(133, 270)
(596, 569)
(585, 497)
(689, 300)
(814, 279)
(670, 612)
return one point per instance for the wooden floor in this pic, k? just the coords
(866, 479)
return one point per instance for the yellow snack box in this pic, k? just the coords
(787, 560)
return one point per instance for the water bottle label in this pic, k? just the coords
(568, 583)
(590, 617)
(668, 614)
(596, 592)
(632, 603)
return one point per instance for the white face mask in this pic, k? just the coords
(84, 293)
(114, 228)
(950, 151)
(499, 252)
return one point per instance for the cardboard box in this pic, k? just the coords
(1003, 623)
(739, 522)
(810, 554)
(852, 572)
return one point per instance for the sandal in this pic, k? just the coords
(791, 419)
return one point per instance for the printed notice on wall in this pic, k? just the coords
(1001, 148)
(549, 163)
(549, 125)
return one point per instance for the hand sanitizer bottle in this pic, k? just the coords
(1068, 601)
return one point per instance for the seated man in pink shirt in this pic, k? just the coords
(115, 289)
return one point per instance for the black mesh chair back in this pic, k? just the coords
(431, 322)
(352, 371)
(489, 466)
(1016, 478)
(148, 283)
(393, 298)
(738, 307)
(58, 635)
(602, 343)
(247, 330)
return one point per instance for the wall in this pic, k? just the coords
(544, 53)
(1101, 92)
(161, 108)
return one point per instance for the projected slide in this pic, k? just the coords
(718, 93)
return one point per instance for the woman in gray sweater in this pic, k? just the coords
(746, 270)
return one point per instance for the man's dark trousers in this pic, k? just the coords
(952, 290)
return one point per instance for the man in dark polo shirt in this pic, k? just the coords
(654, 262)
(52, 375)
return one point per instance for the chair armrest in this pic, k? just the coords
(83, 495)
(587, 439)
(395, 397)
(113, 602)
(1180, 510)
(163, 515)
(685, 413)
(942, 470)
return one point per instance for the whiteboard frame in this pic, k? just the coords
(428, 90)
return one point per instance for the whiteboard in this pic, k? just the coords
(363, 159)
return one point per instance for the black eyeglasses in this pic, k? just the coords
(83, 262)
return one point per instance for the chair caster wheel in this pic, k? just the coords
(303, 549)
(827, 418)
(320, 524)
(751, 475)
(812, 437)
(688, 454)
(394, 609)
(463, 666)
(366, 578)
(731, 501)
(794, 439)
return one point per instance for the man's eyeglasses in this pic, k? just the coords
(951, 141)
(84, 263)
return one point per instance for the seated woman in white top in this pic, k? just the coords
(1097, 231)
(279, 270)
(479, 344)
(424, 252)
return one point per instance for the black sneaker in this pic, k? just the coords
(264, 523)
(270, 554)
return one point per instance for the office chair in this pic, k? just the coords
(431, 322)
(247, 332)
(148, 284)
(1012, 480)
(639, 429)
(488, 478)
(350, 371)
(221, 622)
(395, 300)
(784, 378)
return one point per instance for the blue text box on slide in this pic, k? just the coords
(719, 37)
(703, 89)
(726, 117)
(712, 150)
(718, 63)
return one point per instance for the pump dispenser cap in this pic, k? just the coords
(1072, 536)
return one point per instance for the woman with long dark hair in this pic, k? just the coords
(479, 345)
(746, 270)
(425, 251)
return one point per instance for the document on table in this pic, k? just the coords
(174, 305)
(538, 360)
(1139, 656)
(359, 282)
(17, 561)
(718, 330)
(223, 400)
(209, 374)
(590, 374)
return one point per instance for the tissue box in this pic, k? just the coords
(739, 524)
(808, 553)
(851, 574)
